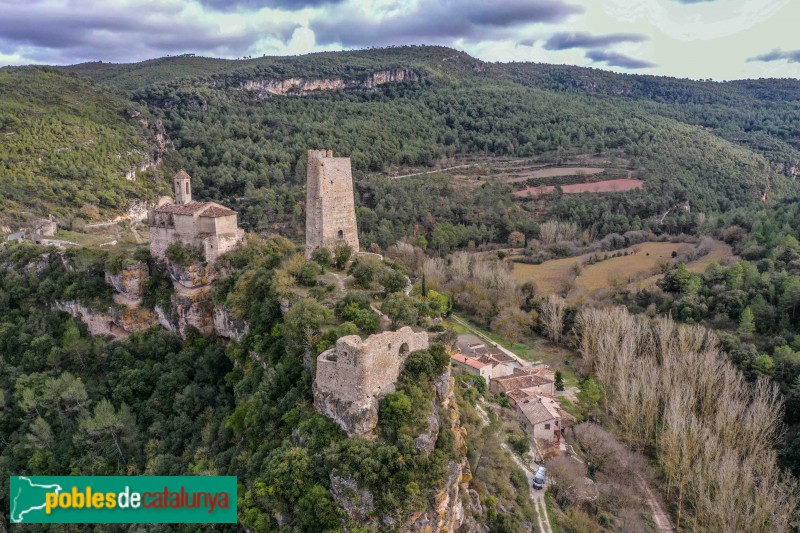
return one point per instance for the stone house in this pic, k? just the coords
(529, 380)
(43, 227)
(473, 366)
(543, 417)
(209, 226)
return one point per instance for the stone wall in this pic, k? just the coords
(330, 206)
(354, 375)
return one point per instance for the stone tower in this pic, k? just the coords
(183, 188)
(330, 207)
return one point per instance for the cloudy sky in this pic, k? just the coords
(720, 39)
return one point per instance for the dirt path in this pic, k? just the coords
(432, 171)
(537, 496)
(660, 517)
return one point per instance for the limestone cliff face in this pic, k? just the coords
(117, 321)
(188, 308)
(192, 276)
(263, 88)
(227, 326)
(445, 509)
(129, 282)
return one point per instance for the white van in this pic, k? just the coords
(539, 478)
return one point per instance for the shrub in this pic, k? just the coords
(184, 255)
(322, 256)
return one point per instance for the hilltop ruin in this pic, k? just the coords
(354, 375)
(330, 207)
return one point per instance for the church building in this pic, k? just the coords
(208, 226)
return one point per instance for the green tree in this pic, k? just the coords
(559, 380)
(764, 366)
(747, 324)
(341, 255)
(302, 325)
(590, 397)
(400, 309)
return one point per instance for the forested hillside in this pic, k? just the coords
(66, 145)
(245, 145)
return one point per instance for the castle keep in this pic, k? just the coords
(330, 208)
(354, 375)
(206, 225)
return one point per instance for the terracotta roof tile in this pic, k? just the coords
(187, 209)
(217, 211)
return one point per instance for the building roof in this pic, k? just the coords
(186, 209)
(469, 361)
(536, 410)
(182, 174)
(216, 211)
(521, 380)
(540, 408)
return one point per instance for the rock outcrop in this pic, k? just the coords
(117, 321)
(263, 88)
(445, 509)
(192, 276)
(227, 326)
(445, 512)
(130, 281)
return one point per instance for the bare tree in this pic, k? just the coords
(552, 317)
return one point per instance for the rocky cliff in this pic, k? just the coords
(445, 509)
(189, 306)
(118, 321)
(301, 86)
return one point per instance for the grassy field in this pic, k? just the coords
(551, 276)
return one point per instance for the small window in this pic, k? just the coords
(187, 187)
(547, 426)
(340, 234)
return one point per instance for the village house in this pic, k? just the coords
(208, 226)
(473, 366)
(529, 380)
(543, 417)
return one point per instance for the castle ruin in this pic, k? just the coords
(209, 226)
(354, 375)
(330, 207)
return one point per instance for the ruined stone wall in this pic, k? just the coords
(330, 206)
(354, 375)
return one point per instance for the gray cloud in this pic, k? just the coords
(614, 59)
(80, 31)
(694, 1)
(291, 5)
(566, 40)
(792, 56)
(440, 21)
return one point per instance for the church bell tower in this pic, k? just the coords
(183, 188)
